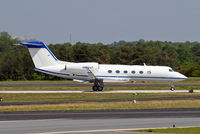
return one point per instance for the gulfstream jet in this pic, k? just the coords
(46, 62)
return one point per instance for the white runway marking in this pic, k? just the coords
(91, 131)
(116, 91)
(105, 130)
(89, 126)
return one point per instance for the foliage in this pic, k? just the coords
(16, 63)
(187, 130)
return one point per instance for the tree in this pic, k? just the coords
(184, 53)
(168, 56)
(81, 53)
(125, 54)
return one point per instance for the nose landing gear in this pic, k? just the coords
(172, 88)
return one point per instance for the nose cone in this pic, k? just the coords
(182, 77)
(185, 77)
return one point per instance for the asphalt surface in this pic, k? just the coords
(89, 85)
(102, 114)
(99, 92)
(102, 100)
(94, 126)
(96, 122)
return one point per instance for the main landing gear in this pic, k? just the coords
(98, 85)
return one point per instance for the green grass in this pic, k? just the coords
(104, 106)
(189, 130)
(60, 97)
(48, 97)
(193, 79)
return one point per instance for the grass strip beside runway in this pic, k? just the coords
(105, 105)
(189, 130)
(49, 97)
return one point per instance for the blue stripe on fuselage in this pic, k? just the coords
(41, 70)
(141, 77)
(99, 76)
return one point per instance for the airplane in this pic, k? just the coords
(46, 62)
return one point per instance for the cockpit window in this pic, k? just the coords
(171, 70)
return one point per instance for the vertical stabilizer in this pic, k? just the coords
(41, 55)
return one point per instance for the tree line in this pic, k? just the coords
(16, 63)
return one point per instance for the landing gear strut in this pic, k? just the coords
(171, 86)
(98, 85)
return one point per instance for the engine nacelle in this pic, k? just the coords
(93, 66)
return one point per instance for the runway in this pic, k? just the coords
(96, 122)
(94, 126)
(110, 91)
(102, 114)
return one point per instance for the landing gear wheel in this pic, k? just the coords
(172, 88)
(100, 88)
(94, 88)
(98, 85)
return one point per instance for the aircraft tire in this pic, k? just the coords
(94, 88)
(100, 88)
(172, 89)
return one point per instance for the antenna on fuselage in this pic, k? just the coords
(145, 64)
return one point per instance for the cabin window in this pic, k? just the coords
(117, 71)
(109, 71)
(148, 72)
(125, 71)
(141, 72)
(133, 72)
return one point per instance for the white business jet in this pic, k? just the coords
(45, 62)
